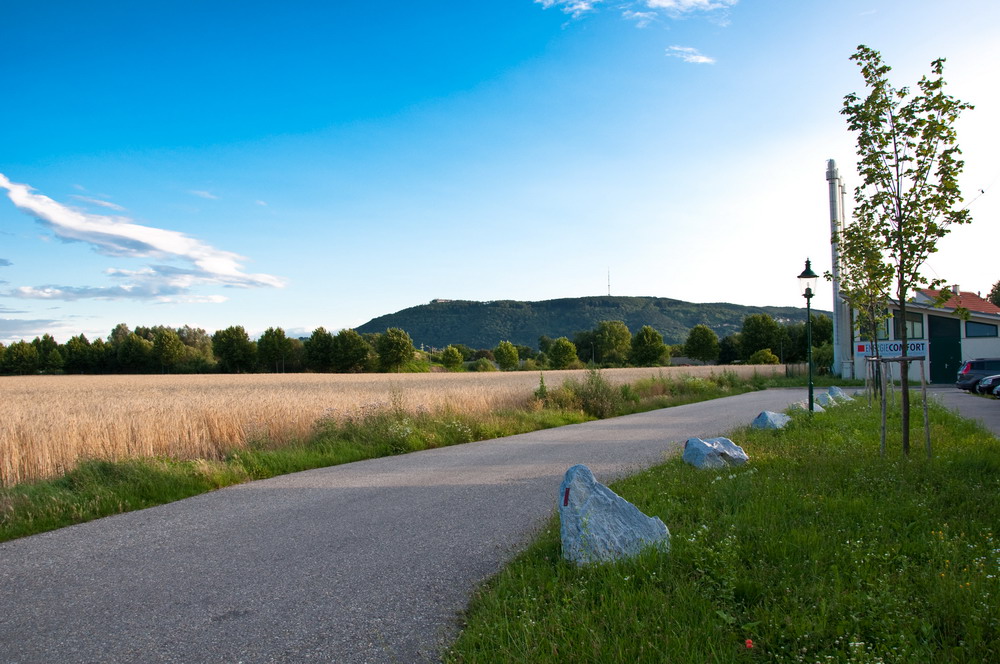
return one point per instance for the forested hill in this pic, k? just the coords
(485, 324)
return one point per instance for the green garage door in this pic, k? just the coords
(945, 337)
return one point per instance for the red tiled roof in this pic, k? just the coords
(966, 300)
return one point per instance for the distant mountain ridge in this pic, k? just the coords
(485, 324)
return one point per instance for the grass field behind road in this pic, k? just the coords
(818, 550)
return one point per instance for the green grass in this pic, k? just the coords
(100, 488)
(817, 551)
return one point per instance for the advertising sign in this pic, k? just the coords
(891, 348)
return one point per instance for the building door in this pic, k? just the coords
(945, 337)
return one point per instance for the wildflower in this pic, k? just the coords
(749, 643)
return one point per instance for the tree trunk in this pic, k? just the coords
(904, 378)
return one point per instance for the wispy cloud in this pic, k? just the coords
(690, 6)
(5, 263)
(688, 54)
(14, 329)
(261, 203)
(203, 194)
(643, 11)
(121, 237)
(642, 19)
(576, 8)
(98, 201)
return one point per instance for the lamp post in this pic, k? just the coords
(807, 283)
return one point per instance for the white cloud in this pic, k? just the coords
(687, 6)
(688, 54)
(203, 194)
(15, 329)
(633, 10)
(97, 201)
(575, 7)
(261, 203)
(121, 237)
(642, 19)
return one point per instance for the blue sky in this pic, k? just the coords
(321, 163)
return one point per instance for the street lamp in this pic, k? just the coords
(807, 283)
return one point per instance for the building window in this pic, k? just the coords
(974, 329)
(914, 325)
(883, 330)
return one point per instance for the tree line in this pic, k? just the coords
(161, 349)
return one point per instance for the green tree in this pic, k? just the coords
(822, 330)
(612, 342)
(135, 354)
(319, 350)
(648, 349)
(562, 353)
(702, 344)
(103, 355)
(351, 353)
(168, 349)
(50, 360)
(763, 356)
(119, 334)
(395, 349)
(273, 349)
(506, 356)
(21, 358)
(79, 355)
(760, 331)
(730, 349)
(909, 163)
(994, 295)
(451, 358)
(234, 350)
(586, 346)
(44, 345)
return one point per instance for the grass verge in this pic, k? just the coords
(817, 551)
(99, 488)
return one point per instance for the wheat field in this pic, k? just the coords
(49, 423)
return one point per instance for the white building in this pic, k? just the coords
(964, 328)
(940, 334)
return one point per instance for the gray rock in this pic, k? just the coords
(804, 405)
(825, 400)
(770, 420)
(713, 453)
(839, 394)
(598, 525)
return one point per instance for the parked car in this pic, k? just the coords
(988, 385)
(973, 371)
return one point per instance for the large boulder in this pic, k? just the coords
(770, 420)
(713, 453)
(839, 394)
(598, 525)
(824, 399)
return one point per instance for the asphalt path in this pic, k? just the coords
(366, 562)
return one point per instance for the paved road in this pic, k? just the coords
(366, 562)
(972, 406)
